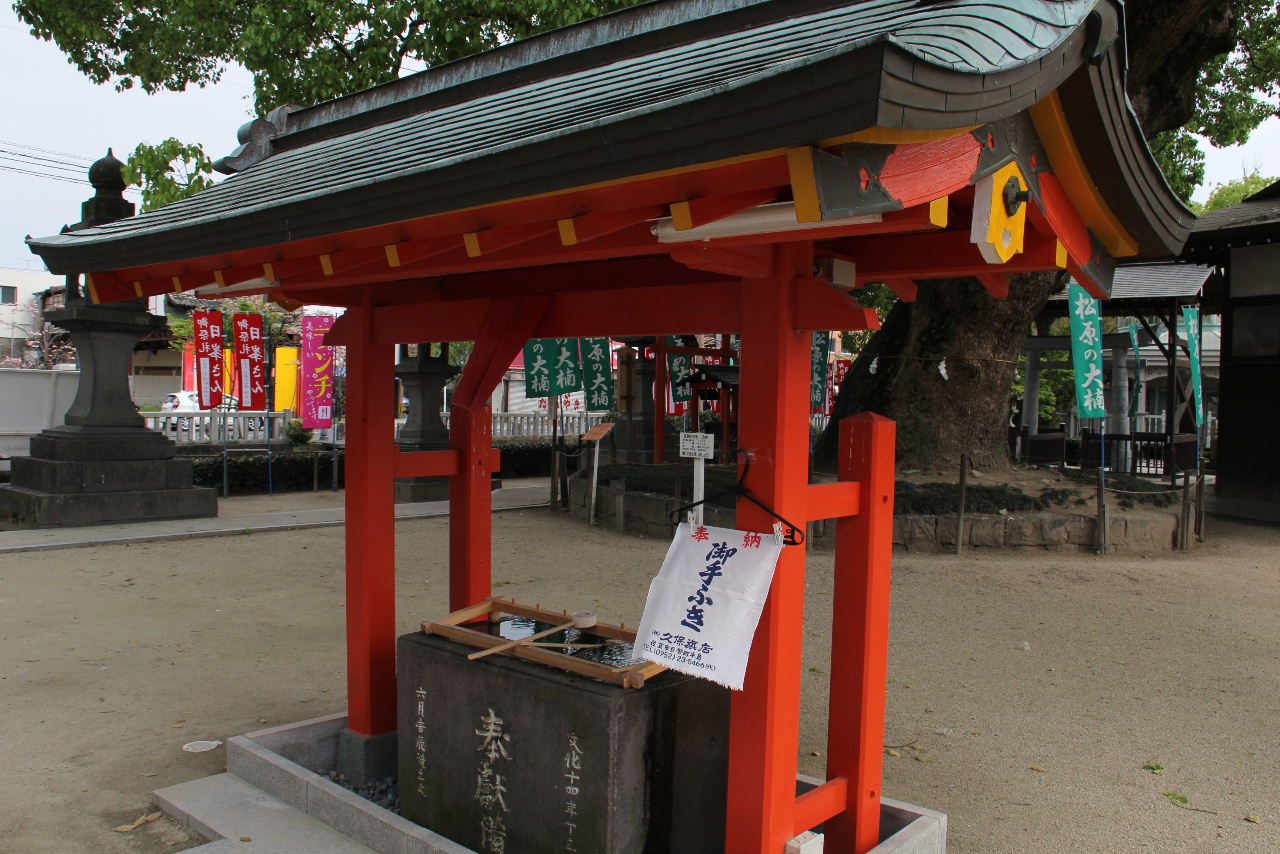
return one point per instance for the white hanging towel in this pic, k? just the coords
(705, 602)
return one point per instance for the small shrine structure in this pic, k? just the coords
(1244, 242)
(681, 167)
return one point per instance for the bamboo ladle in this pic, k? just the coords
(581, 620)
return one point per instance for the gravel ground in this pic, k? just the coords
(1027, 691)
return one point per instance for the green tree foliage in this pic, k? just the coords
(299, 51)
(1234, 91)
(281, 328)
(168, 171)
(1234, 192)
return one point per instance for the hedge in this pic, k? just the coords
(290, 472)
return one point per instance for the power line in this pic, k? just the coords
(78, 158)
(44, 174)
(40, 163)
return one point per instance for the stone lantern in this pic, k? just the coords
(102, 465)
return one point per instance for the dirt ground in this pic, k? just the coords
(1027, 691)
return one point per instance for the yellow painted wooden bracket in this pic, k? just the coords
(998, 226)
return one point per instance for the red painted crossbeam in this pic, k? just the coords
(435, 463)
(820, 804)
(949, 254)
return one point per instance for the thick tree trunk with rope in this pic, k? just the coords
(943, 367)
(979, 337)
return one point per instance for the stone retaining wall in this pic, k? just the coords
(1133, 532)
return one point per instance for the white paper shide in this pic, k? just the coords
(705, 602)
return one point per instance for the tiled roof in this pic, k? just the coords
(659, 86)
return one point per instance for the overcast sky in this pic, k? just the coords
(57, 123)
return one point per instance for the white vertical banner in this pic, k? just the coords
(705, 602)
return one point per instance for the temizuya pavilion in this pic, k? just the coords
(685, 166)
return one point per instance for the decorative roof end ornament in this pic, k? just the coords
(1101, 30)
(255, 140)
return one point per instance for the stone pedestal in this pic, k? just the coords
(503, 753)
(102, 465)
(423, 378)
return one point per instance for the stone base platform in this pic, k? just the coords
(1134, 532)
(22, 508)
(284, 763)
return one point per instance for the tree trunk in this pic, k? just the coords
(955, 327)
(979, 338)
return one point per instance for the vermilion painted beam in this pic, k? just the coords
(587, 227)
(604, 275)
(1060, 218)
(819, 306)
(749, 262)
(662, 189)
(833, 500)
(905, 289)
(426, 463)
(765, 715)
(506, 326)
(701, 211)
(922, 171)
(860, 632)
(997, 284)
(819, 804)
(370, 530)
(945, 255)
(629, 311)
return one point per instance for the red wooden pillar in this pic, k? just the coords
(860, 632)
(774, 428)
(506, 327)
(470, 507)
(370, 530)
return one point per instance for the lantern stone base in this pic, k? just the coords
(100, 475)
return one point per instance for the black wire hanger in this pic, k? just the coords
(793, 535)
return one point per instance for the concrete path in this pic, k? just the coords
(243, 819)
(238, 515)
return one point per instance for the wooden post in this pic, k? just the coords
(860, 632)
(1184, 523)
(470, 508)
(765, 715)
(370, 531)
(506, 327)
(964, 484)
(1102, 499)
(659, 400)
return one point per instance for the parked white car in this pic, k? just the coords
(183, 402)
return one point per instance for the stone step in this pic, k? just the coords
(242, 819)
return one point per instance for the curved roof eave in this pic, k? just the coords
(837, 95)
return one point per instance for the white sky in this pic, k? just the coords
(54, 112)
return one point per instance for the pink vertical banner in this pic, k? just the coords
(315, 378)
(209, 357)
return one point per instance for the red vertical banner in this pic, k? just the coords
(315, 379)
(208, 328)
(250, 361)
(834, 378)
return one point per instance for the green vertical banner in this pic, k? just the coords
(537, 368)
(1191, 317)
(597, 374)
(1135, 397)
(818, 372)
(566, 369)
(1086, 353)
(678, 369)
